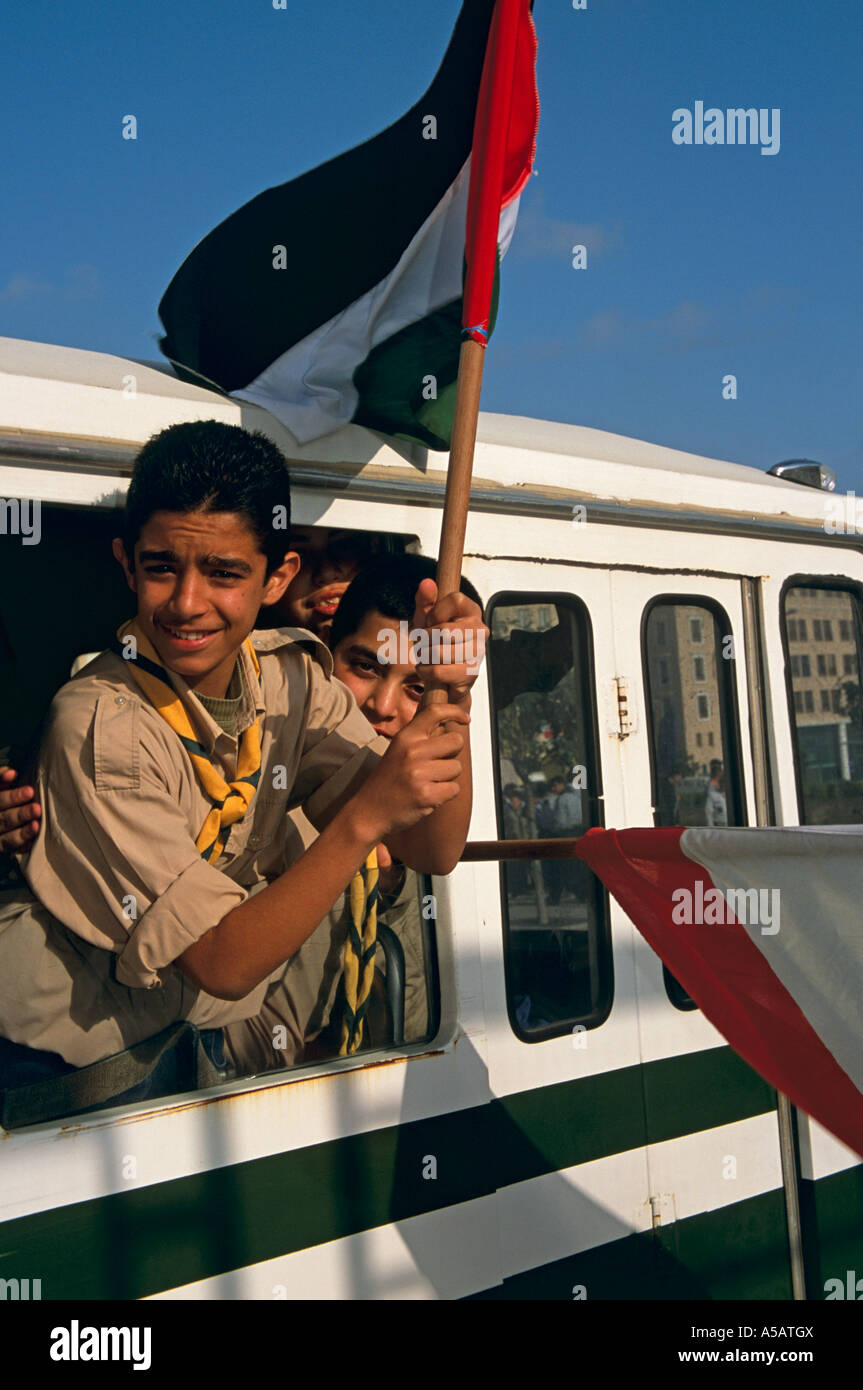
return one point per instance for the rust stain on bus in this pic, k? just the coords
(200, 1100)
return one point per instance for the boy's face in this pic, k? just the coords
(389, 696)
(330, 559)
(200, 579)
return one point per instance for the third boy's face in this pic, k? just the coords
(330, 559)
(200, 580)
(389, 696)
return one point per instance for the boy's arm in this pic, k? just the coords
(415, 779)
(117, 865)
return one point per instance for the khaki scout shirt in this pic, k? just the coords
(119, 889)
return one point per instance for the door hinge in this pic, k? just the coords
(622, 720)
(661, 1209)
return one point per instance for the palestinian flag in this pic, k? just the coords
(761, 927)
(340, 296)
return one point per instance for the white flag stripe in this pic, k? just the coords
(817, 953)
(310, 387)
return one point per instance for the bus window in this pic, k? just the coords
(556, 945)
(404, 1003)
(823, 662)
(692, 723)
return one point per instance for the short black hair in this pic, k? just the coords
(389, 587)
(208, 466)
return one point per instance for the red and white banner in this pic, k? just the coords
(764, 930)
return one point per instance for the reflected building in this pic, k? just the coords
(825, 682)
(682, 656)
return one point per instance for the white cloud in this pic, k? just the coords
(80, 282)
(540, 237)
(759, 314)
(686, 325)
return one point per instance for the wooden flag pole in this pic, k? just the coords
(479, 851)
(502, 150)
(457, 496)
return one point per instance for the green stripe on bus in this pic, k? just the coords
(737, 1251)
(172, 1233)
(831, 1211)
(629, 1107)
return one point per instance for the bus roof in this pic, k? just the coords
(109, 405)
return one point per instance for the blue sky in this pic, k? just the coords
(702, 260)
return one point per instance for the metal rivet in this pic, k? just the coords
(119, 699)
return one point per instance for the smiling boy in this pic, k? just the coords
(330, 558)
(169, 764)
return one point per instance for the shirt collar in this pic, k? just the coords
(272, 638)
(252, 706)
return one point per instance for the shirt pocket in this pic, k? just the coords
(267, 813)
(116, 755)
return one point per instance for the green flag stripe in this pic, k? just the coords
(407, 384)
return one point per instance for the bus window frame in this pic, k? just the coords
(559, 599)
(729, 704)
(832, 582)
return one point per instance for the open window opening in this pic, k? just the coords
(76, 598)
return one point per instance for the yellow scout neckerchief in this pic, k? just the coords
(359, 958)
(231, 799)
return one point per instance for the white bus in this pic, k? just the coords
(572, 1126)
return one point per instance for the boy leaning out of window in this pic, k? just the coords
(168, 766)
